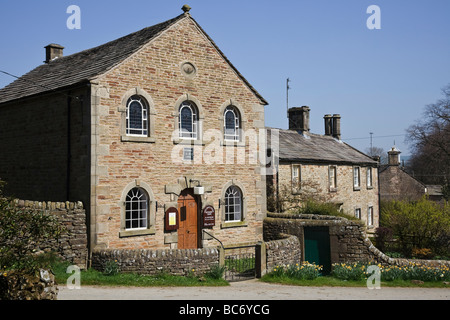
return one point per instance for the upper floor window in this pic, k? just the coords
(137, 117)
(188, 120)
(369, 178)
(233, 204)
(231, 124)
(356, 178)
(332, 178)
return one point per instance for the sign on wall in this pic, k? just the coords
(209, 217)
(171, 219)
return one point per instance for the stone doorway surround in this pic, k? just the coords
(175, 190)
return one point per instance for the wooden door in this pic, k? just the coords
(188, 229)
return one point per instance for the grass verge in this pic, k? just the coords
(94, 277)
(328, 281)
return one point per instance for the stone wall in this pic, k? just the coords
(283, 252)
(173, 261)
(348, 239)
(72, 245)
(16, 285)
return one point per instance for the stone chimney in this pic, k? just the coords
(299, 119)
(394, 157)
(336, 120)
(52, 52)
(328, 125)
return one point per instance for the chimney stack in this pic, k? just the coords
(299, 119)
(52, 52)
(337, 126)
(394, 157)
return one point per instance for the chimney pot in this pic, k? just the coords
(394, 157)
(337, 126)
(328, 125)
(52, 52)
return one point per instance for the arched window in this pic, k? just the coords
(137, 116)
(231, 124)
(188, 120)
(136, 209)
(233, 204)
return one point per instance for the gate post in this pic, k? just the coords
(221, 256)
(260, 259)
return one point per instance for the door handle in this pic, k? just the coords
(188, 231)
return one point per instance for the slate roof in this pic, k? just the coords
(88, 64)
(296, 147)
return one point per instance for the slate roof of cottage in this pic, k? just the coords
(296, 147)
(86, 65)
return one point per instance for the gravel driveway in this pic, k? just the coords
(251, 290)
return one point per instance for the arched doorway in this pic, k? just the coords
(188, 233)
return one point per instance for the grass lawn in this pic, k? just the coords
(94, 277)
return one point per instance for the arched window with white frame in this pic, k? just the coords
(188, 120)
(137, 117)
(231, 124)
(136, 209)
(233, 204)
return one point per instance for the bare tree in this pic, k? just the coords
(377, 152)
(430, 140)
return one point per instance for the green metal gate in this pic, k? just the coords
(317, 247)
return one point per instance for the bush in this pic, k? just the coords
(216, 272)
(420, 224)
(322, 208)
(22, 232)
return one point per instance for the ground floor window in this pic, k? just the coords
(136, 209)
(233, 204)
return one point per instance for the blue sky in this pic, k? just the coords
(378, 80)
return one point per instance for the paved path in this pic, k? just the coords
(251, 290)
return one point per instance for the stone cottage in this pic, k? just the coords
(154, 132)
(324, 167)
(397, 184)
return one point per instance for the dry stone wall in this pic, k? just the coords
(150, 262)
(71, 245)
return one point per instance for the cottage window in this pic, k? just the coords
(358, 213)
(188, 120)
(233, 204)
(136, 209)
(369, 178)
(296, 178)
(231, 124)
(332, 178)
(370, 216)
(356, 178)
(137, 117)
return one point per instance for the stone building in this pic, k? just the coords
(322, 167)
(154, 132)
(397, 184)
